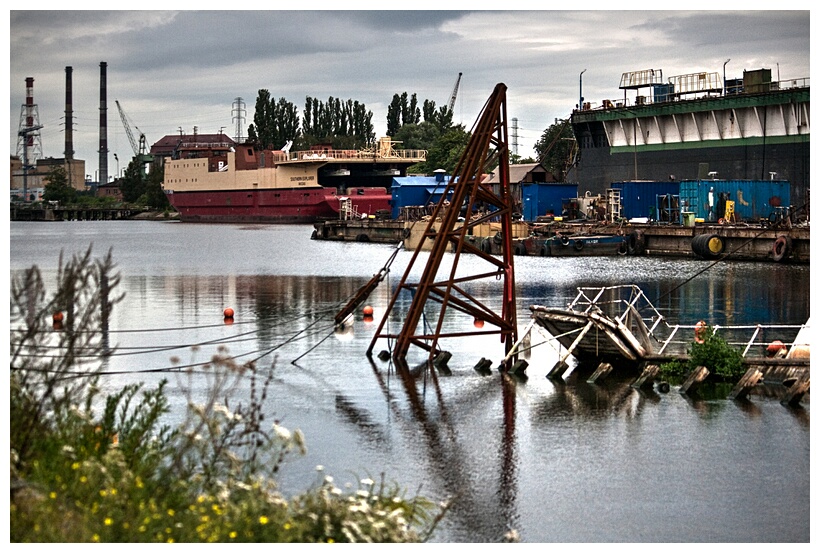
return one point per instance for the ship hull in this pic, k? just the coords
(288, 206)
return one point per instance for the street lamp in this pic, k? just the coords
(581, 90)
(724, 75)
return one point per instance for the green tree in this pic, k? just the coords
(133, 183)
(57, 188)
(555, 148)
(274, 122)
(445, 152)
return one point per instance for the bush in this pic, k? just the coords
(722, 360)
(88, 468)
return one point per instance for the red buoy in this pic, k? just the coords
(57, 317)
(775, 347)
(478, 323)
(368, 311)
(228, 313)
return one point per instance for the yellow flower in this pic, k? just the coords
(108, 521)
(232, 534)
(95, 538)
(170, 512)
(287, 526)
(330, 540)
(53, 495)
(263, 519)
(75, 465)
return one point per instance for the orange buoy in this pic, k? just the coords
(368, 311)
(700, 332)
(57, 317)
(228, 313)
(478, 323)
(775, 347)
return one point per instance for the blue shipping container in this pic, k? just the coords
(753, 199)
(653, 199)
(545, 198)
(415, 191)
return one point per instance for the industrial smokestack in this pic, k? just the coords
(103, 125)
(69, 116)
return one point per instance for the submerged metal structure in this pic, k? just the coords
(465, 203)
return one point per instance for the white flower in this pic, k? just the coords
(366, 482)
(281, 432)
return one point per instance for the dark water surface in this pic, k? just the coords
(558, 461)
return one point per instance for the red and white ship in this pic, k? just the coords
(224, 183)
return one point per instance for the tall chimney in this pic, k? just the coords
(69, 116)
(103, 178)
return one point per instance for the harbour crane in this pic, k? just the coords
(140, 149)
(454, 94)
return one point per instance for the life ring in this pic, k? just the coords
(564, 240)
(700, 332)
(782, 248)
(578, 245)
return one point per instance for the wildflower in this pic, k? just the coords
(75, 465)
(95, 538)
(281, 432)
(263, 519)
(170, 512)
(232, 534)
(53, 495)
(108, 521)
(367, 482)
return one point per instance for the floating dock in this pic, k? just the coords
(746, 242)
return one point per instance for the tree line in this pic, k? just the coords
(348, 124)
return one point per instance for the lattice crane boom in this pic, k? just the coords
(139, 148)
(454, 94)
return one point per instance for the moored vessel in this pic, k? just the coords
(222, 183)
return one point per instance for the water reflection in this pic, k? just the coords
(558, 460)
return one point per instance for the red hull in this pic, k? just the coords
(305, 205)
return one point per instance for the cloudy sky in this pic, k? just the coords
(174, 70)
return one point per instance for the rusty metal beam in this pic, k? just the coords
(487, 146)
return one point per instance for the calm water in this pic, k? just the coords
(559, 461)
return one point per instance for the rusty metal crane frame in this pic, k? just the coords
(465, 190)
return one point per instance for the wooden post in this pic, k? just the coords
(694, 379)
(561, 365)
(601, 372)
(797, 391)
(748, 381)
(647, 376)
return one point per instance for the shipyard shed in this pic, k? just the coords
(655, 200)
(753, 200)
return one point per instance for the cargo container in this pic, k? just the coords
(416, 191)
(655, 200)
(753, 200)
(541, 198)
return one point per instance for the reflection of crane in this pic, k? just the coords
(140, 154)
(455, 92)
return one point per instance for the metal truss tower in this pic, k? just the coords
(466, 202)
(29, 146)
(238, 116)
